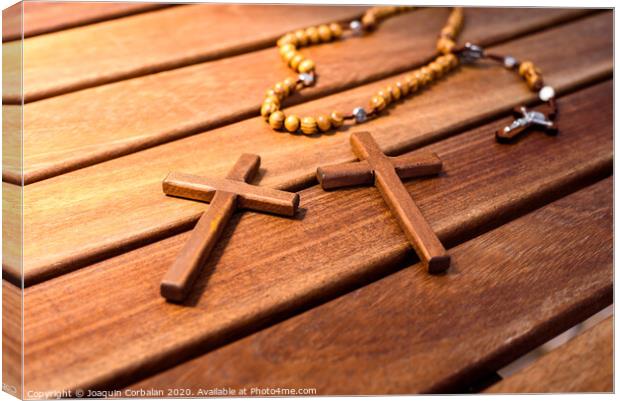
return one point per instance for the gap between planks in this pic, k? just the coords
(584, 364)
(55, 207)
(161, 116)
(330, 252)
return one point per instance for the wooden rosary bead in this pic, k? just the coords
(288, 56)
(272, 99)
(394, 92)
(302, 38)
(296, 61)
(386, 95)
(452, 60)
(412, 83)
(287, 48)
(313, 35)
(323, 123)
(291, 123)
(445, 45)
(426, 75)
(291, 84)
(267, 109)
(369, 21)
(271, 92)
(535, 82)
(436, 70)
(276, 120)
(281, 88)
(308, 125)
(337, 119)
(306, 66)
(403, 88)
(325, 33)
(525, 68)
(448, 32)
(336, 30)
(287, 39)
(377, 103)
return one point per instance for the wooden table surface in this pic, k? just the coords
(336, 292)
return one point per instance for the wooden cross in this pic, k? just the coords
(225, 195)
(524, 120)
(386, 173)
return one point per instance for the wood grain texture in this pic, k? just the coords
(55, 208)
(128, 47)
(12, 323)
(345, 238)
(584, 364)
(150, 110)
(509, 290)
(46, 17)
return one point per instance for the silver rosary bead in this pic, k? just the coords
(306, 78)
(360, 114)
(510, 62)
(357, 27)
(471, 53)
(546, 93)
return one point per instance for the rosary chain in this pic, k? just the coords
(449, 58)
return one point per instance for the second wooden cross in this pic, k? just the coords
(386, 173)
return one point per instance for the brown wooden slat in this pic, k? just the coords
(46, 17)
(146, 111)
(107, 323)
(584, 364)
(11, 339)
(92, 55)
(509, 289)
(64, 214)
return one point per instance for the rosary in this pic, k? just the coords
(449, 57)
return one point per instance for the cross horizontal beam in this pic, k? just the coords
(249, 196)
(361, 173)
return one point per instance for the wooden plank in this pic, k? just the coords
(139, 213)
(584, 365)
(156, 41)
(341, 240)
(46, 17)
(182, 102)
(511, 288)
(12, 339)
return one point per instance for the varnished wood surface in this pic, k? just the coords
(56, 207)
(146, 111)
(345, 238)
(45, 17)
(584, 364)
(12, 324)
(508, 291)
(60, 62)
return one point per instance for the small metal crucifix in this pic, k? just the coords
(385, 173)
(225, 195)
(524, 120)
